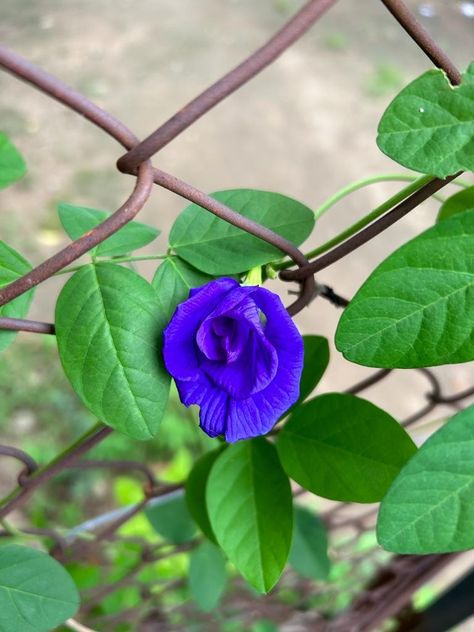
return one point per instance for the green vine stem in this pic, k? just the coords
(364, 182)
(127, 259)
(395, 199)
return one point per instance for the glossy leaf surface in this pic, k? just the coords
(173, 281)
(429, 126)
(217, 247)
(430, 506)
(250, 510)
(109, 329)
(417, 308)
(12, 165)
(12, 266)
(344, 448)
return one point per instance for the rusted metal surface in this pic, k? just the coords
(420, 35)
(229, 83)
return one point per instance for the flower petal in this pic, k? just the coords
(250, 373)
(242, 372)
(213, 403)
(258, 414)
(282, 333)
(222, 338)
(179, 348)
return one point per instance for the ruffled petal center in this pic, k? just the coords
(234, 352)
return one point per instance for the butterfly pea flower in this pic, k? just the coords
(235, 352)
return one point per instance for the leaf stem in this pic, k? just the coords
(112, 260)
(14, 531)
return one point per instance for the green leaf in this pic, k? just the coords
(430, 506)
(250, 508)
(12, 165)
(343, 448)
(316, 360)
(207, 576)
(309, 551)
(109, 328)
(78, 220)
(457, 203)
(417, 308)
(196, 492)
(173, 280)
(216, 247)
(429, 126)
(12, 266)
(36, 592)
(171, 519)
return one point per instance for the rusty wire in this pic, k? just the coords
(236, 78)
(39, 476)
(420, 35)
(136, 162)
(28, 461)
(55, 88)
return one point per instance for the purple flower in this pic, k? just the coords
(236, 353)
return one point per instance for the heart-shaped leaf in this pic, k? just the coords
(457, 203)
(78, 220)
(36, 593)
(417, 308)
(173, 280)
(430, 506)
(12, 266)
(344, 448)
(12, 165)
(429, 126)
(109, 330)
(250, 509)
(216, 247)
